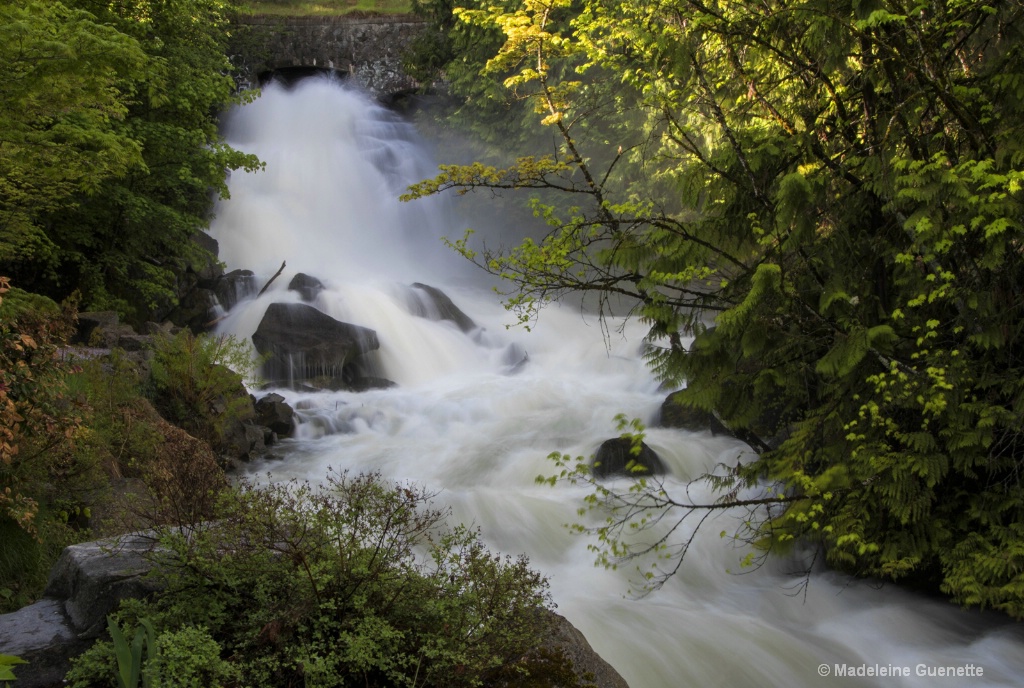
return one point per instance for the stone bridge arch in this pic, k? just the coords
(367, 49)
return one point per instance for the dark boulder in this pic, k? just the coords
(233, 287)
(432, 303)
(615, 458)
(562, 635)
(204, 263)
(197, 310)
(308, 287)
(92, 325)
(92, 578)
(87, 583)
(676, 415)
(273, 412)
(301, 344)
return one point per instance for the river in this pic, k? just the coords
(465, 421)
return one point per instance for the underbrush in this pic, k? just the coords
(83, 450)
(358, 582)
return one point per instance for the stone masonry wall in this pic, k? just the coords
(368, 49)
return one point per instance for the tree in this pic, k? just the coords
(130, 92)
(62, 90)
(818, 212)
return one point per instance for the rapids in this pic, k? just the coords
(462, 424)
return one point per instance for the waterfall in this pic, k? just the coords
(474, 414)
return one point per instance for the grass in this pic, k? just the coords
(323, 8)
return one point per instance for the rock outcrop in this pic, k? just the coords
(615, 458)
(304, 344)
(87, 583)
(308, 287)
(432, 303)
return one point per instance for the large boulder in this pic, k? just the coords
(273, 412)
(92, 578)
(615, 458)
(676, 415)
(308, 287)
(233, 287)
(563, 636)
(431, 302)
(302, 343)
(87, 583)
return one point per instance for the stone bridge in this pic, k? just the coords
(367, 49)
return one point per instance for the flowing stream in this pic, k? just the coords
(465, 421)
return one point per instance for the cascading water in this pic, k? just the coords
(465, 420)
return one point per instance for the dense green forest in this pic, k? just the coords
(109, 162)
(110, 159)
(109, 148)
(827, 198)
(816, 207)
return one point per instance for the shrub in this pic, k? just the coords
(354, 583)
(44, 482)
(162, 474)
(199, 382)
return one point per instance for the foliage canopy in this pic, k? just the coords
(817, 207)
(109, 150)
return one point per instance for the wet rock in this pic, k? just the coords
(42, 635)
(87, 583)
(563, 636)
(301, 344)
(676, 415)
(242, 441)
(307, 287)
(235, 286)
(615, 458)
(93, 577)
(275, 414)
(432, 303)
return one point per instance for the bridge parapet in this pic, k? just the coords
(368, 49)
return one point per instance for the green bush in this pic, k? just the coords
(354, 583)
(198, 382)
(45, 484)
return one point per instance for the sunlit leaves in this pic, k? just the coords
(828, 199)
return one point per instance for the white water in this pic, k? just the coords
(461, 424)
